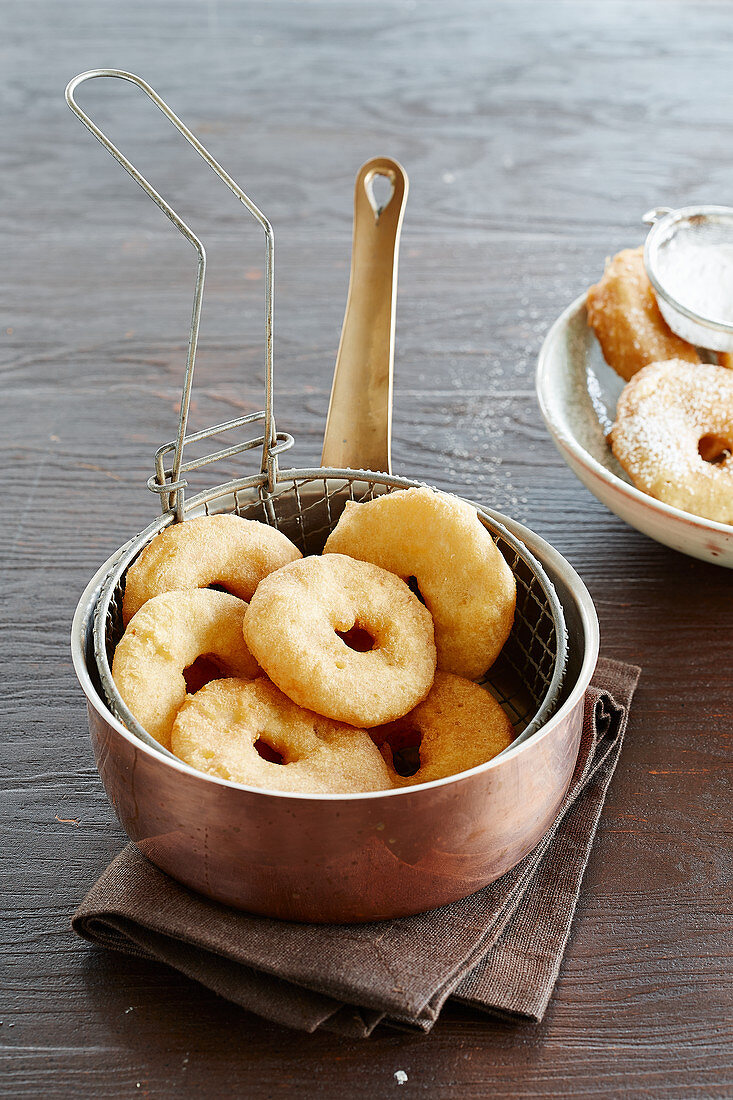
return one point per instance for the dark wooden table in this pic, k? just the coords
(535, 136)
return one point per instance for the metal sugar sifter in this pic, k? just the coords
(306, 503)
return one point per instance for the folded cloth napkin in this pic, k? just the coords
(498, 950)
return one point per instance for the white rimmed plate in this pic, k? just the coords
(577, 392)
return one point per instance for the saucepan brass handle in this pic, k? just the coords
(359, 424)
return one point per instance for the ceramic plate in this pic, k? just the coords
(577, 392)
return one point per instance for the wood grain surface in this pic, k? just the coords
(535, 136)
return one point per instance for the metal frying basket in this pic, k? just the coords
(305, 504)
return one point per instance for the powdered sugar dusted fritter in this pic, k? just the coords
(294, 624)
(459, 726)
(674, 436)
(227, 550)
(623, 313)
(439, 540)
(164, 638)
(217, 729)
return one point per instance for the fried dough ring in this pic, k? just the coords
(217, 728)
(164, 638)
(624, 314)
(227, 550)
(292, 627)
(674, 436)
(463, 578)
(458, 726)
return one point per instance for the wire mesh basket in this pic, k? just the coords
(306, 505)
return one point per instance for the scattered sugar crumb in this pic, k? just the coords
(400, 1077)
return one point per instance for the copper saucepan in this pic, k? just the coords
(334, 857)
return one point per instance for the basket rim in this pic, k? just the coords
(98, 594)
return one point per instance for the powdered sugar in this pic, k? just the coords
(700, 277)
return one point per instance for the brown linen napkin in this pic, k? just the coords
(498, 950)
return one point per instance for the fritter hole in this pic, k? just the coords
(404, 739)
(267, 752)
(203, 670)
(715, 448)
(357, 639)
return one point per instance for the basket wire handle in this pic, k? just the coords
(172, 491)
